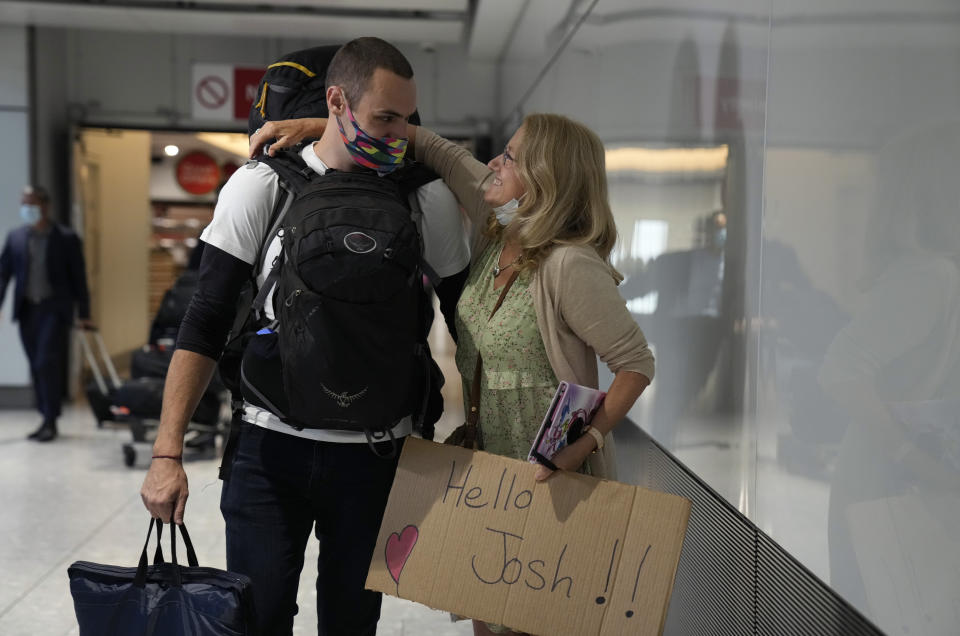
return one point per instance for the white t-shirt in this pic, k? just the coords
(240, 222)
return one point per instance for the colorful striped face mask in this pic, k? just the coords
(383, 154)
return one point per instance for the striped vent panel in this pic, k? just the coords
(733, 579)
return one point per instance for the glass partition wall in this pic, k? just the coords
(786, 181)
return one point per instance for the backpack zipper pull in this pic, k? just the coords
(289, 301)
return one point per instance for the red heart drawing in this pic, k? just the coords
(399, 547)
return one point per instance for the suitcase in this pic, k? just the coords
(100, 390)
(100, 402)
(150, 362)
(139, 401)
(173, 307)
(143, 398)
(140, 397)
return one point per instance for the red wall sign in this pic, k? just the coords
(229, 167)
(245, 83)
(198, 173)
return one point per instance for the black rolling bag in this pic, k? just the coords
(143, 398)
(101, 390)
(150, 362)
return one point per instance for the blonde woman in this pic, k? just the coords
(540, 210)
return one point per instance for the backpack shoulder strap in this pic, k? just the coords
(295, 175)
(276, 217)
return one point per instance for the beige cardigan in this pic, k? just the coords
(580, 314)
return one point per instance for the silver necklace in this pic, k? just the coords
(497, 269)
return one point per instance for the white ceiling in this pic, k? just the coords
(415, 21)
(401, 5)
(487, 27)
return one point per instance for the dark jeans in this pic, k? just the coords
(281, 488)
(43, 332)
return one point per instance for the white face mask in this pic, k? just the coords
(507, 211)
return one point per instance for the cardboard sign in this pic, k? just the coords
(475, 534)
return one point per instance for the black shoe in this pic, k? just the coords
(36, 433)
(47, 432)
(46, 435)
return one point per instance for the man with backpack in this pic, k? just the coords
(336, 373)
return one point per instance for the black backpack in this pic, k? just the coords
(348, 349)
(293, 87)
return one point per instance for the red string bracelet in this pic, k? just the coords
(173, 457)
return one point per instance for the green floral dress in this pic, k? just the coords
(517, 382)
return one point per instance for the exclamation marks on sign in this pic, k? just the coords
(636, 582)
(603, 599)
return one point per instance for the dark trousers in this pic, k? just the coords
(43, 331)
(281, 488)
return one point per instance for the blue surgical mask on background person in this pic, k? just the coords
(30, 213)
(506, 212)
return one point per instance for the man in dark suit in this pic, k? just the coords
(51, 282)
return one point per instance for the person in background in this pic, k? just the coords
(542, 222)
(687, 325)
(51, 286)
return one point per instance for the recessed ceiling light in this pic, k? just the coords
(171, 150)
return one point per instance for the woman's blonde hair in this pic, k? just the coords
(561, 164)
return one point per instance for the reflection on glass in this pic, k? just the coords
(674, 287)
(895, 368)
(808, 361)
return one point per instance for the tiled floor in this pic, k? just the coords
(74, 499)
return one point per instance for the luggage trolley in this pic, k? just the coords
(137, 403)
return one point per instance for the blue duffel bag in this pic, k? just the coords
(161, 599)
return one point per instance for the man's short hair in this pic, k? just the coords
(354, 64)
(38, 191)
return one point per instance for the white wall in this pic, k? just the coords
(14, 125)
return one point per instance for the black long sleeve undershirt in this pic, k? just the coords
(213, 307)
(448, 290)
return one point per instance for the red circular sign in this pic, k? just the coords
(229, 167)
(198, 173)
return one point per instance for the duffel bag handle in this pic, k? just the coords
(191, 553)
(140, 579)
